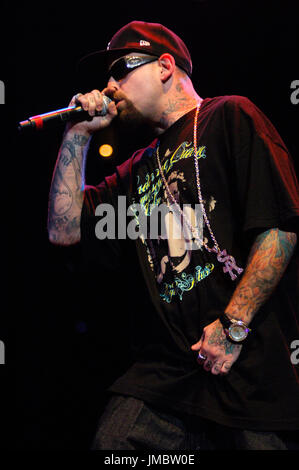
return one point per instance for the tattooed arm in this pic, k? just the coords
(67, 188)
(66, 193)
(267, 262)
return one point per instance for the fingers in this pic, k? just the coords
(226, 367)
(74, 100)
(196, 346)
(207, 365)
(201, 358)
(215, 366)
(110, 90)
(91, 102)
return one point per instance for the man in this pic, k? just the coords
(213, 366)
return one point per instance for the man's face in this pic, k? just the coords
(137, 91)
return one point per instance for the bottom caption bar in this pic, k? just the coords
(136, 459)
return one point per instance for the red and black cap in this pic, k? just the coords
(148, 38)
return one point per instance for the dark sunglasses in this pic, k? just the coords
(126, 64)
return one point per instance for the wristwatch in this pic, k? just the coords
(236, 330)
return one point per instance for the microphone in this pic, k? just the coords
(64, 114)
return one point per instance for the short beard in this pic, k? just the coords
(130, 116)
(133, 124)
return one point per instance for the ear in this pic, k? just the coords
(167, 66)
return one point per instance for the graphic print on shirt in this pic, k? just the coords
(170, 254)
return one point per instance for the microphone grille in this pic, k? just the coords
(106, 101)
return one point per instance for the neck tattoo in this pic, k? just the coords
(222, 255)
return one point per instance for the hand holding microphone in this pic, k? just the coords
(100, 108)
(87, 113)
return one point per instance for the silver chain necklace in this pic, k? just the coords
(222, 256)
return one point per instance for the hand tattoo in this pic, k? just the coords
(218, 338)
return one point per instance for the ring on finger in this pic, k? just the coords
(201, 356)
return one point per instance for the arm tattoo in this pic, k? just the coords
(267, 262)
(61, 196)
(66, 194)
(80, 140)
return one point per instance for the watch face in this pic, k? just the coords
(238, 332)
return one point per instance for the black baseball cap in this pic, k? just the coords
(148, 38)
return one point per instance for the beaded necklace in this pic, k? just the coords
(222, 256)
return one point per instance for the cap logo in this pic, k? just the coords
(144, 43)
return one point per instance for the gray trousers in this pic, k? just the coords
(129, 424)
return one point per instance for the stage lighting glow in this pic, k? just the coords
(106, 150)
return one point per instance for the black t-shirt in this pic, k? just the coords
(248, 185)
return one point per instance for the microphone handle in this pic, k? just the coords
(63, 114)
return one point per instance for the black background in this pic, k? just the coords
(64, 328)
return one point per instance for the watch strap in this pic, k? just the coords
(225, 321)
